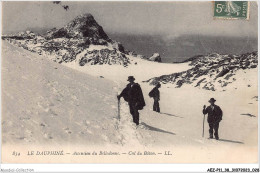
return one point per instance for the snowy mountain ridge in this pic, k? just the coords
(69, 42)
(84, 42)
(211, 72)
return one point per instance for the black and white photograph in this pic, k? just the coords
(129, 82)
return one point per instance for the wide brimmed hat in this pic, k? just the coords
(212, 100)
(130, 78)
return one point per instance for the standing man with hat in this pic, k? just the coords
(155, 94)
(134, 96)
(214, 117)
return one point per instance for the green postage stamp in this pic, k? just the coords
(231, 9)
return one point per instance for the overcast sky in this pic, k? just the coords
(169, 19)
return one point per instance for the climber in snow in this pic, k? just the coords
(155, 94)
(134, 96)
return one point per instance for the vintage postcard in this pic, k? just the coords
(129, 82)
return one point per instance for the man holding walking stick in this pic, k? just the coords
(134, 96)
(214, 117)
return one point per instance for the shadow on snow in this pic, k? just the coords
(225, 140)
(249, 115)
(156, 129)
(170, 115)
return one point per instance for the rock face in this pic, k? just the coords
(210, 72)
(103, 56)
(156, 57)
(83, 26)
(82, 40)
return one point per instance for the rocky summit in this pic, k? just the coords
(210, 72)
(82, 40)
(83, 26)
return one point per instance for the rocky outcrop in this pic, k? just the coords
(210, 72)
(104, 56)
(70, 42)
(118, 46)
(83, 26)
(155, 57)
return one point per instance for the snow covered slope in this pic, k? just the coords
(47, 103)
(213, 72)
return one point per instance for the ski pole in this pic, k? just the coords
(118, 106)
(203, 126)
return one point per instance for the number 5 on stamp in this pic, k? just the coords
(231, 9)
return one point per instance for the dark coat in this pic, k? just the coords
(155, 93)
(215, 115)
(133, 95)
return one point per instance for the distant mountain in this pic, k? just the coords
(82, 40)
(83, 26)
(211, 72)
